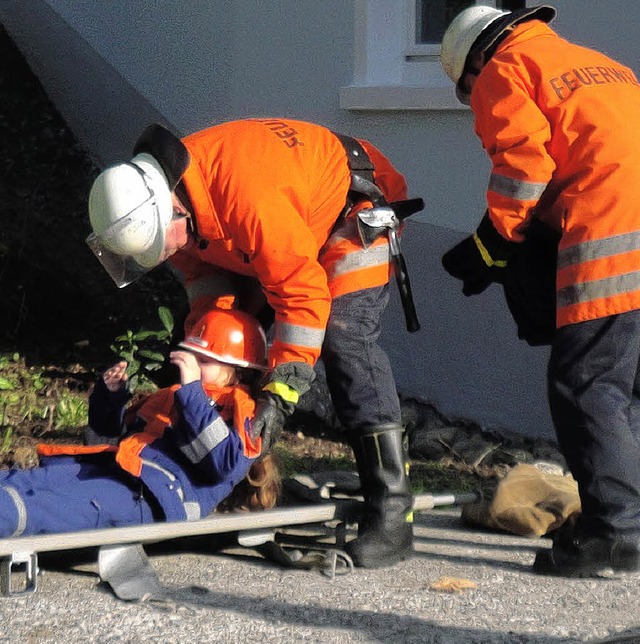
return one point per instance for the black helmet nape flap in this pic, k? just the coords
(167, 149)
(494, 30)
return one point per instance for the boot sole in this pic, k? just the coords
(545, 564)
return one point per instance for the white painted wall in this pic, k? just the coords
(112, 67)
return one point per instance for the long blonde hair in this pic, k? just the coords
(259, 490)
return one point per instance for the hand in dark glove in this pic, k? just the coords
(271, 415)
(281, 390)
(480, 259)
(465, 263)
(530, 284)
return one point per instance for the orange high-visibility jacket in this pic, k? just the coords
(560, 123)
(266, 195)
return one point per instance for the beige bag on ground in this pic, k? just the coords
(527, 502)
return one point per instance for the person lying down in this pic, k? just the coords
(175, 455)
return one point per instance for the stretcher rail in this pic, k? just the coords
(215, 524)
(20, 554)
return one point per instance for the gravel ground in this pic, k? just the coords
(241, 598)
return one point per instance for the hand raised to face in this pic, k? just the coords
(115, 377)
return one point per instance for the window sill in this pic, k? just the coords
(398, 97)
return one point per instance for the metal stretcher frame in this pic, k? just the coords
(22, 552)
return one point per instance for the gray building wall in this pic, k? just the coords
(113, 67)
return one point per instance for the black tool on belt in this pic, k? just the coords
(382, 217)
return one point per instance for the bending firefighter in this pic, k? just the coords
(174, 456)
(267, 209)
(559, 122)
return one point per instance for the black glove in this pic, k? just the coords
(106, 415)
(480, 259)
(530, 284)
(271, 415)
(280, 391)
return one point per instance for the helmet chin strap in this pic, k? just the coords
(192, 230)
(192, 225)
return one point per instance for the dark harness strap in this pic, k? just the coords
(363, 186)
(357, 156)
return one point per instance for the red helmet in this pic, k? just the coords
(229, 336)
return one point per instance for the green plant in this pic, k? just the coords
(9, 397)
(141, 350)
(70, 411)
(33, 403)
(22, 396)
(7, 440)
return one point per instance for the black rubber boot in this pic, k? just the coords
(385, 533)
(574, 555)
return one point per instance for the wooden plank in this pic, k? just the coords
(215, 524)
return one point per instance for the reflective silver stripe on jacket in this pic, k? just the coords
(374, 256)
(212, 435)
(598, 248)
(213, 285)
(302, 336)
(516, 188)
(596, 289)
(191, 508)
(20, 508)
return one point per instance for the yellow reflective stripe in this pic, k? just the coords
(488, 260)
(288, 394)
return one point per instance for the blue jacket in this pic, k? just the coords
(189, 447)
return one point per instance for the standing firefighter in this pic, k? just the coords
(560, 124)
(268, 209)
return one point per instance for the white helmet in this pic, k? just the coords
(130, 207)
(463, 34)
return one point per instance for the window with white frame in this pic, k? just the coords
(397, 48)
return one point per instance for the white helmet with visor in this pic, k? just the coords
(130, 208)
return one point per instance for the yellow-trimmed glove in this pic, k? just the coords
(480, 259)
(277, 400)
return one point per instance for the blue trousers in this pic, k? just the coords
(359, 375)
(68, 493)
(594, 396)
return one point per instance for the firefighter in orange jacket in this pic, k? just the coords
(560, 125)
(263, 208)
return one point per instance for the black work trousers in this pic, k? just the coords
(594, 396)
(359, 375)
